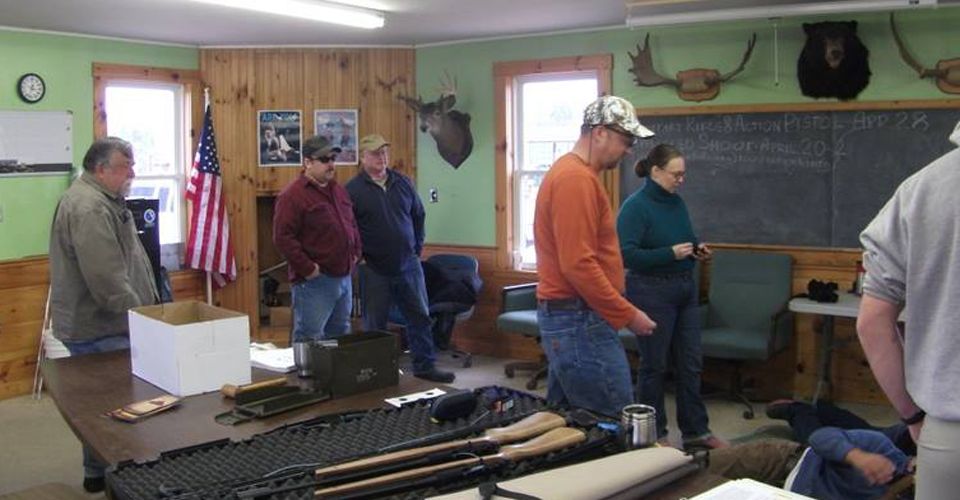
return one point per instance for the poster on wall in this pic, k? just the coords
(280, 136)
(339, 126)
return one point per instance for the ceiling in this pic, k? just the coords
(408, 22)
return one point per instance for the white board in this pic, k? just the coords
(36, 142)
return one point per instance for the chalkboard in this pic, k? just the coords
(797, 178)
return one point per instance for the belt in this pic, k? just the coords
(569, 304)
(663, 276)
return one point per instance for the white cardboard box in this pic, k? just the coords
(189, 347)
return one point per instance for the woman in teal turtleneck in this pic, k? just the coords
(659, 251)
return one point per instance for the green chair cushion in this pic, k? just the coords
(522, 322)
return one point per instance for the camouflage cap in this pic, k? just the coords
(615, 111)
(372, 142)
(318, 145)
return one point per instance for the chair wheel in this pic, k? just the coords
(508, 372)
(748, 414)
(532, 385)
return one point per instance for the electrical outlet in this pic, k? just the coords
(434, 196)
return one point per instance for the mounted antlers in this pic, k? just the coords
(449, 127)
(947, 72)
(693, 84)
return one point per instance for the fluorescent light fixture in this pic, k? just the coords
(325, 12)
(665, 12)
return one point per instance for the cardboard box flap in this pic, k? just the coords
(185, 313)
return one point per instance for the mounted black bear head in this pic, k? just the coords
(833, 62)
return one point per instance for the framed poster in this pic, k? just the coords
(279, 133)
(339, 126)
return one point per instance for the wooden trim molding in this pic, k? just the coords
(504, 79)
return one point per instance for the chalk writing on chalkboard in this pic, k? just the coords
(807, 178)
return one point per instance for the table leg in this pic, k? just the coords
(826, 354)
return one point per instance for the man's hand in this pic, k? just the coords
(876, 468)
(641, 324)
(315, 273)
(682, 250)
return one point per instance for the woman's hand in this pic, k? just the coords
(703, 252)
(682, 250)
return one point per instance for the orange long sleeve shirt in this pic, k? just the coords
(578, 253)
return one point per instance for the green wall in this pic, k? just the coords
(65, 63)
(465, 213)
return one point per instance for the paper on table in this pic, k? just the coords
(748, 489)
(277, 360)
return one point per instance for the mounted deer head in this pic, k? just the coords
(947, 72)
(449, 128)
(693, 84)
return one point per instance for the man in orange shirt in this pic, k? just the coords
(581, 306)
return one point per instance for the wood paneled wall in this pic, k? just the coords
(23, 288)
(243, 81)
(793, 372)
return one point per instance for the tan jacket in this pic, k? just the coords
(98, 268)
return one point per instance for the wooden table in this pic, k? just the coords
(84, 387)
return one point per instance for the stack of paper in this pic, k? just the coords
(748, 489)
(277, 360)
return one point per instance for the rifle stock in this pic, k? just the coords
(554, 440)
(534, 425)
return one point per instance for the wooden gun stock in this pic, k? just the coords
(534, 425)
(554, 440)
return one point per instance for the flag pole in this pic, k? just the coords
(206, 104)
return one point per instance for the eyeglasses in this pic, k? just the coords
(676, 175)
(324, 158)
(629, 139)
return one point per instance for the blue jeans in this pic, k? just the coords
(409, 292)
(92, 466)
(671, 301)
(321, 308)
(587, 364)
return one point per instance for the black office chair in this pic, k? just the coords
(453, 284)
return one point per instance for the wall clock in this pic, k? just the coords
(31, 88)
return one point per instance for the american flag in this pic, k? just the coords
(208, 246)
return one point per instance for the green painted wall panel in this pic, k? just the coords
(465, 213)
(65, 63)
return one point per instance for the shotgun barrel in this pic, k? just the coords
(534, 425)
(553, 440)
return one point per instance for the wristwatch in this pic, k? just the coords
(916, 417)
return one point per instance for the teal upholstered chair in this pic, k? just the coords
(519, 316)
(746, 317)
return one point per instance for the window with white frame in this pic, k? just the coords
(547, 114)
(150, 115)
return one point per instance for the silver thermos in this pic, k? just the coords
(639, 424)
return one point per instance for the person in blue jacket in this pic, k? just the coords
(390, 217)
(838, 464)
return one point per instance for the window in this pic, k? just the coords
(156, 110)
(539, 107)
(549, 112)
(150, 116)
